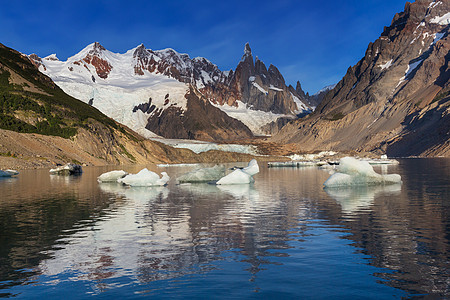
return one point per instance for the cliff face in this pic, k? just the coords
(200, 121)
(395, 99)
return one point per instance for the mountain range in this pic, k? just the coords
(395, 100)
(168, 94)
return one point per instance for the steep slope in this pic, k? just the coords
(122, 85)
(395, 99)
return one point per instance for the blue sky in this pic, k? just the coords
(310, 41)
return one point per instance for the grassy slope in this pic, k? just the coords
(49, 110)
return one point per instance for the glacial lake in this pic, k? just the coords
(283, 237)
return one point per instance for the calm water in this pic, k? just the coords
(283, 237)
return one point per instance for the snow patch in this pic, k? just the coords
(259, 88)
(275, 88)
(411, 67)
(443, 20)
(434, 4)
(301, 107)
(253, 119)
(326, 89)
(386, 65)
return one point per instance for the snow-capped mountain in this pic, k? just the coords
(169, 94)
(396, 98)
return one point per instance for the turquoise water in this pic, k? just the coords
(282, 237)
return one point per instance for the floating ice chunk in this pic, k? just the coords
(67, 169)
(8, 173)
(236, 177)
(203, 175)
(241, 176)
(112, 176)
(145, 178)
(4, 174)
(352, 172)
(252, 168)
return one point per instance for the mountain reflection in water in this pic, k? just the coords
(282, 236)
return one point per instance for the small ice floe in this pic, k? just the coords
(203, 175)
(293, 164)
(145, 178)
(353, 172)
(112, 176)
(67, 169)
(383, 160)
(241, 176)
(8, 173)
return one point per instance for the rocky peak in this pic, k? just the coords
(299, 90)
(97, 49)
(140, 52)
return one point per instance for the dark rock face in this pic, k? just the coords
(389, 101)
(261, 88)
(252, 83)
(145, 107)
(201, 121)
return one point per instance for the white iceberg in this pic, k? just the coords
(236, 177)
(252, 168)
(241, 176)
(145, 178)
(67, 169)
(12, 172)
(353, 172)
(112, 176)
(203, 175)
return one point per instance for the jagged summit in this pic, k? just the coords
(247, 49)
(144, 77)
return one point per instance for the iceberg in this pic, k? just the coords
(12, 172)
(145, 178)
(252, 168)
(236, 177)
(203, 175)
(8, 173)
(112, 176)
(67, 169)
(4, 174)
(353, 172)
(241, 176)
